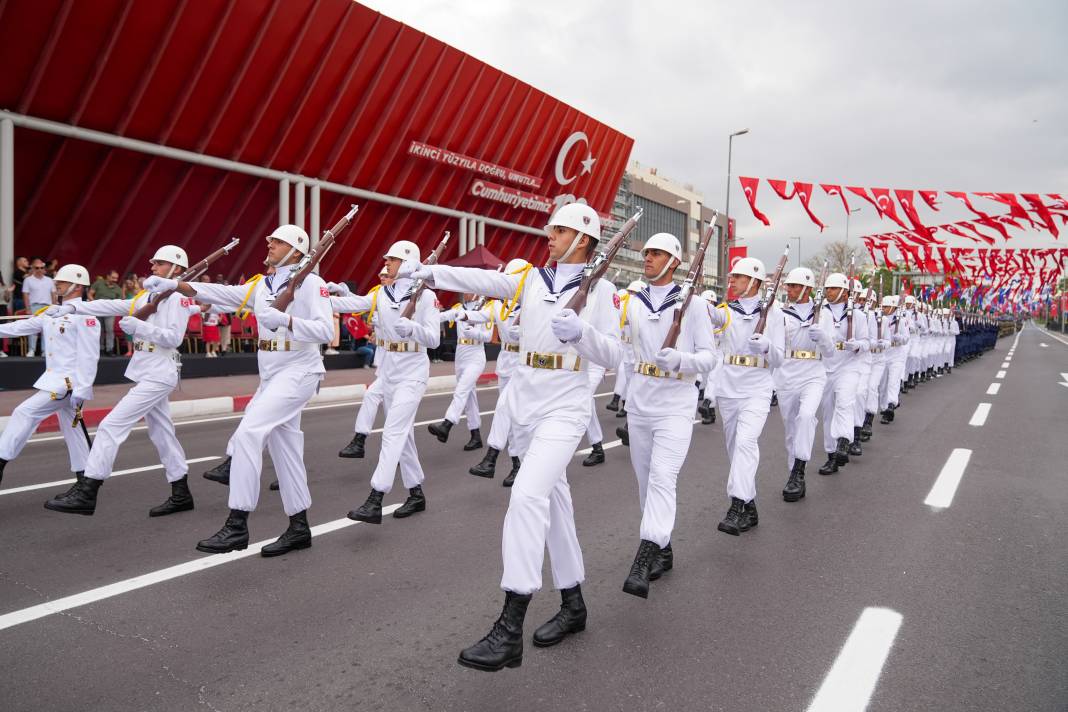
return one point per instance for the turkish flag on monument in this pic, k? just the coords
(749, 187)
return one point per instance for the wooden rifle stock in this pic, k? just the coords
(817, 300)
(149, 307)
(409, 309)
(600, 264)
(697, 270)
(312, 260)
(849, 300)
(768, 298)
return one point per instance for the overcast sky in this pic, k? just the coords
(942, 95)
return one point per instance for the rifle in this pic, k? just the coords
(149, 307)
(817, 300)
(420, 285)
(596, 269)
(849, 298)
(312, 260)
(697, 268)
(878, 307)
(768, 297)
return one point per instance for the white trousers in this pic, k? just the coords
(875, 381)
(464, 399)
(29, 414)
(372, 401)
(799, 408)
(860, 398)
(272, 419)
(658, 448)
(895, 373)
(839, 400)
(501, 424)
(400, 400)
(622, 379)
(593, 431)
(743, 421)
(148, 400)
(540, 513)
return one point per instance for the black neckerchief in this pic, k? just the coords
(845, 313)
(790, 311)
(646, 298)
(269, 281)
(737, 306)
(388, 289)
(548, 275)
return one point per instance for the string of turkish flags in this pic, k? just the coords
(1029, 208)
(970, 265)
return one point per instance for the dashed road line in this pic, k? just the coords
(1000, 374)
(116, 473)
(980, 415)
(993, 390)
(945, 487)
(851, 681)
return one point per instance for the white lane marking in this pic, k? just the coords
(980, 414)
(116, 473)
(1058, 338)
(851, 681)
(1064, 380)
(1016, 340)
(993, 390)
(1044, 345)
(941, 494)
(1000, 374)
(1005, 364)
(207, 561)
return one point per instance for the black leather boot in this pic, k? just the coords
(570, 619)
(854, 447)
(732, 523)
(232, 537)
(709, 416)
(441, 430)
(623, 433)
(371, 510)
(596, 456)
(354, 448)
(296, 536)
(865, 430)
(503, 645)
(663, 563)
(273, 486)
(795, 485)
(510, 479)
(831, 466)
(885, 416)
(488, 466)
(892, 411)
(841, 455)
(622, 412)
(220, 473)
(3, 462)
(475, 443)
(181, 500)
(614, 403)
(79, 499)
(749, 515)
(774, 398)
(416, 502)
(637, 583)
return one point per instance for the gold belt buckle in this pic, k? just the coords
(514, 348)
(467, 342)
(840, 346)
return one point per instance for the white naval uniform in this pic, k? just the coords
(403, 374)
(660, 408)
(918, 343)
(471, 338)
(800, 380)
(896, 330)
(372, 400)
(550, 410)
(843, 374)
(744, 392)
(954, 332)
(154, 370)
(72, 348)
(625, 367)
(507, 363)
(867, 363)
(708, 379)
(868, 399)
(288, 380)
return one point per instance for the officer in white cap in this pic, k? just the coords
(72, 348)
(896, 331)
(505, 318)
(744, 386)
(404, 371)
(801, 378)
(661, 398)
(473, 329)
(291, 368)
(706, 393)
(154, 370)
(843, 371)
(550, 410)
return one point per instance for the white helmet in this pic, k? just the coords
(75, 274)
(404, 250)
(664, 241)
(636, 286)
(910, 300)
(577, 216)
(708, 295)
(802, 276)
(890, 300)
(293, 236)
(514, 265)
(173, 254)
(857, 286)
(865, 293)
(750, 267)
(836, 280)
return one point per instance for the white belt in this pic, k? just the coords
(553, 361)
(398, 346)
(287, 345)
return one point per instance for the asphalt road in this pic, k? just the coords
(372, 617)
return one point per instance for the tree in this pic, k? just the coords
(837, 254)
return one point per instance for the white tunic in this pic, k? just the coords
(72, 354)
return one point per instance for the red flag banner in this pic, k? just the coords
(963, 197)
(907, 200)
(1039, 208)
(779, 186)
(930, 197)
(833, 190)
(749, 187)
(803, 191)
(862, 192)
(886, 205)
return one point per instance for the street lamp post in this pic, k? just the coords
(854, 210)
(798, 250)
(727, 213)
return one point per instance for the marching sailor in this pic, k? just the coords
(896, 330)
(72, 349)
(625, 367)
(706, 407)
(372, 397)
(661, 397)
(551, 409)
(861, 315)
(868, 399)
(801, 378)
(471, 337)
(154, 371)
(744, 386)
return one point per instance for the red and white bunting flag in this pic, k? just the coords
(863, 192)
(907, 200)
(886, 205)
(962, 196)
(803, 191)
(1009, 199)
(779, 186)
(831, 189)
(749, 187)
(1043, 213)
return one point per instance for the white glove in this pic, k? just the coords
(857, 346)
(160, 284)
(818, 335)
(884, 343)
(567, 326)
(668, 360)
(59, 310)
(404, 327)
(130, 325)
(759, 344)
(413, 270)
(341, 288)
(272, 319)
(513, 332)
